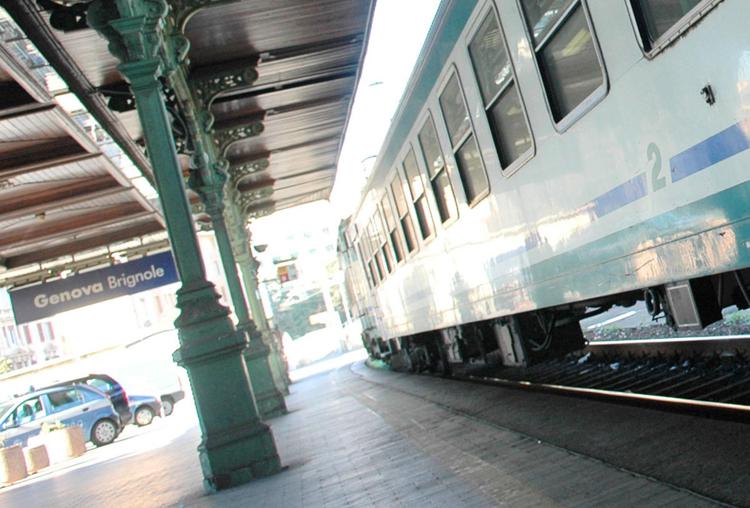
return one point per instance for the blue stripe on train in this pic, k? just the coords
(718, 147)
(625, 193)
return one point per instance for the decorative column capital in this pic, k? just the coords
(132, 27)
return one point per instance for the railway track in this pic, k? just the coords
(708, 375)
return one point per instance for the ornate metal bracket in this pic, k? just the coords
(225, 137)
(198, 208)
(246, 199)
(261, 212)
(209, 83)
(237, 173)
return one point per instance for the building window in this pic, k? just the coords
(436, 170)
(419, 198)
(502, 101)
(404, 216)
(566, 53)
(658, 21)
(392, 229)
(465, 149)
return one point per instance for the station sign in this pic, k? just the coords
(49, 298)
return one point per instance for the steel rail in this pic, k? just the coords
(723, 409)
(633, 382)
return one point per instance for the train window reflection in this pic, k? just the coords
(541, 15)
(566, 53)
(508, 123)
(385, 247)
(404, 216)
(391, 229)
(502, 101)
(657, 17)
(470, 166)
(416, 187)
(439, 181)
(491, 64)
(472, 172)
(454, 110)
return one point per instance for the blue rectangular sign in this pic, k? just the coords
(50, 298)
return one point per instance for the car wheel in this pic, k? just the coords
(167, 406)
(144, 415)
(103, 432)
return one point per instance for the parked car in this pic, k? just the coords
(143, 409)
(157, 373)
(109, 386)
(80, 405)
(168, 400)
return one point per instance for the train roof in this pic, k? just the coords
(450, 19)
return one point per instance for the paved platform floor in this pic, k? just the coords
(350, 442)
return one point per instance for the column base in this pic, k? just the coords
(271, 405)
(268, 398)
(277, 363)
(236, 446)
(238, 456)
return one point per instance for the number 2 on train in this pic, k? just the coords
(658, 181)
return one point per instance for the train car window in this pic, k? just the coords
(435, 162)
(566, 52)
(391, 228)
(373, 270)
(365, 265)
(372, 234)
(385, 248)
(454, 111)
(419, 198)
(379, 265)
(403, 214)
(660, 21)
(470, 165)
(502, 101)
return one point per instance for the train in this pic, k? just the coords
(550, 160)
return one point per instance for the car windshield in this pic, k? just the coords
(4, 407)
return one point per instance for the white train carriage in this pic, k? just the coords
(550, 159)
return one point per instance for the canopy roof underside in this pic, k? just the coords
(76, 186)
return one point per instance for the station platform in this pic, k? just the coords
(357, 436)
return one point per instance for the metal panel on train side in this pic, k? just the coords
(647, 187)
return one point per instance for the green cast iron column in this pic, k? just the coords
(235, 445)
(249, 269)
(268, 397)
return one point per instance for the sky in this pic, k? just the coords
(398, 31)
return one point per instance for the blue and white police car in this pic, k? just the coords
(87, 407)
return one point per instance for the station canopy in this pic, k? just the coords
(76, 184)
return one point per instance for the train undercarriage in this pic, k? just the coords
(530, 338)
